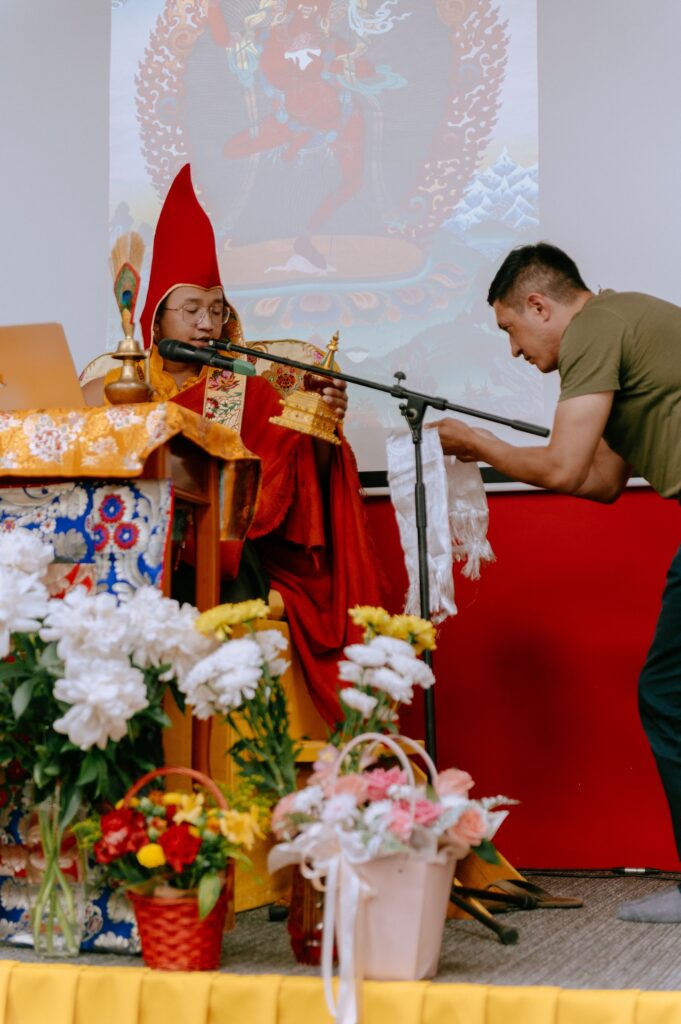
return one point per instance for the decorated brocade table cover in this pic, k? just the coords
(115, 441)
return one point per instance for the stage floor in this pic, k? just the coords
(586, 948)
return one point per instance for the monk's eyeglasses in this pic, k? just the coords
(193, 314)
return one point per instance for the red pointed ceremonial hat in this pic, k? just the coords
(184, 249)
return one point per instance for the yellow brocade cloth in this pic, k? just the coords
(70, 994)
(115, 441)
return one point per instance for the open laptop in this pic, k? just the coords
(37, 369)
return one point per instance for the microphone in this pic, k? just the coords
(182, 352)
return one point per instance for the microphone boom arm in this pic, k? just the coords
(396, 390)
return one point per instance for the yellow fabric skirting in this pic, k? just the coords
(68, 994)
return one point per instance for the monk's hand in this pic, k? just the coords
(459, 439)
(335, 394)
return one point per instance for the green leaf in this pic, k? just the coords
(88, 771)
(71, 808)
(209, 892)
(50, 660)
(487, 852)
(21, 697)
(12, 670)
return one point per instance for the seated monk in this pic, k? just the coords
(308, 538)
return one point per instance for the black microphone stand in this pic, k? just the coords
(413, 405)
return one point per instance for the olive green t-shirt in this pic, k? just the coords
(630, 344)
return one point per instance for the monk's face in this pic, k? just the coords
(191, 314)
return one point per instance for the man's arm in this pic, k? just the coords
(576, 460)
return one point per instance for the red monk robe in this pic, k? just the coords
(316, 551)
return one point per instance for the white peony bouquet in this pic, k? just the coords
(83, 677)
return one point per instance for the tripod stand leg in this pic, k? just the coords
(475, 873)
(470, 907)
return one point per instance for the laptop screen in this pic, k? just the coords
(37, 369)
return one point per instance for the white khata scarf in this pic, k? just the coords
(457, 518)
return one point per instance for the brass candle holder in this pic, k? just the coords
(132, 385)
(305, 409)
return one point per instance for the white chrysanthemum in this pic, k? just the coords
(350, 672)
(340, 810)
(223, 680)
(91, 625)
(391, 682)
(26, 551)
(24, 602)
(308, 800)
(359, 701)
(187, 646)
(413, 669)
(162, 633)
(366, 655)
(271, 642)
(104, 695)
(376, 815)
(391, 647)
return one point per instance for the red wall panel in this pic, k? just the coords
(537, 674)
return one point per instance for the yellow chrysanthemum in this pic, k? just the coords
(370, 618)
(218, 620)
(131, 803)
(420, 633)
(151, 855)
(241, 828)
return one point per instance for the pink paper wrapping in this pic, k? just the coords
(401, 920)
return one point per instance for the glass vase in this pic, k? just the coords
(55, 875)
(305, 920)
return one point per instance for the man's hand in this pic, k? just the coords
(459, 439)
(575, 461)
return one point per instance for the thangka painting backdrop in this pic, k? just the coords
(366, 164)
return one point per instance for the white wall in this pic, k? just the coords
(54, 170)
(610, 150)
(610, 145)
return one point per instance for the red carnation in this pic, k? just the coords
(180, 846)
(123, 831)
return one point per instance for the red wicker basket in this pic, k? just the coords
(173, 936)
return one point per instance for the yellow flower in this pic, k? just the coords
(374, 620)
(420, 633)
(174, 799)
(218, 620)
(190, 808)
(131, 803)
(151, 855)
(240, 828)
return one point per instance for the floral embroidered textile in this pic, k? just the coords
(119, 530)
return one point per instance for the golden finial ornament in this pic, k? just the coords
(132, 385)
(305, 409)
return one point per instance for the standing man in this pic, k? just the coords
(619, 360)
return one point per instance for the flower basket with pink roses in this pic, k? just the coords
(383, 846)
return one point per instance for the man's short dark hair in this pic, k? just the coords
(535, 268)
